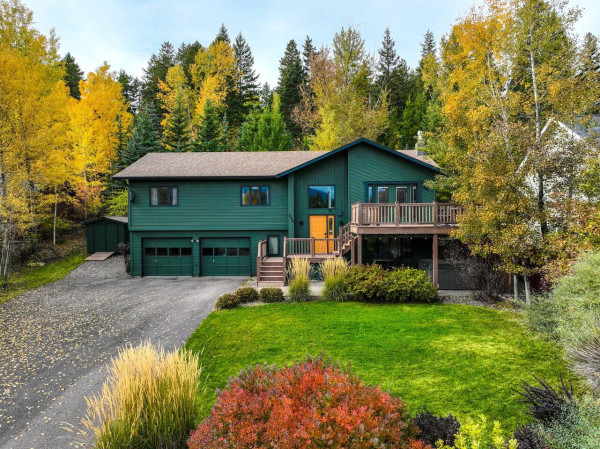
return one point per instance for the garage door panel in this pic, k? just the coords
(225, 257)
(167, 257)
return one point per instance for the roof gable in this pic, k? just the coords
(261, 164)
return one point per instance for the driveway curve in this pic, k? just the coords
(56, 341)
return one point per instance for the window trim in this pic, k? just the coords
(322, 185)
(419, 185)
(170, 194)
(268, 186)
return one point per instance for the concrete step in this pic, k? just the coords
(270, 283)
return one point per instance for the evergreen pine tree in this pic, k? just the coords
(176, 134)
(222, 35)
(186, 55)
(249, 130)
(388, 61)
(73, 74)
(266, 96)
(245, 97)
(156, 71)
(131, 89)
(308, 51)
(412, 120)
(271, 134)
(428, 46)
(291, 79)
(213, 132)
(144, 138)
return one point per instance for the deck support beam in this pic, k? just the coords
(359, 242)
(435, 261)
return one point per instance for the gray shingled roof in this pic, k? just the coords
(217, 165)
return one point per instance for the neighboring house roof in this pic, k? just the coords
(259, 164)
(116, 219)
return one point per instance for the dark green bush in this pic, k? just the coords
(409, 284)
(433, 428)
(271, 294)
(372, 283)
(246, 295)
(366, 282)
(335, 288)
(228, 301)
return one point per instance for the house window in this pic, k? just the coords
(382, 194)
(256, 195)
(164, 196)
(321, 197)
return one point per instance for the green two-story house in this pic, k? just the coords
(246, 214)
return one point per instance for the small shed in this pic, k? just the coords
(105, 233)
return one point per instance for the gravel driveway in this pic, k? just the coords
(55, 342)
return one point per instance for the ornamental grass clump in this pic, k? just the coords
(148, 400)
(306, 405)
(299, 279)
(334, 273)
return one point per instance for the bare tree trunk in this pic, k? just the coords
(538, 131)
(527, 290)
(55, 214)
(516, 287)
(85, 197)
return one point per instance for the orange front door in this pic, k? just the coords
(322, 227)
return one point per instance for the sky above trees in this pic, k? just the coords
(126, 33)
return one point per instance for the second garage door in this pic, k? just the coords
(225, 257)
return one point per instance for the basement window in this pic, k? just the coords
(164, 196)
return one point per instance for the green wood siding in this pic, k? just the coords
(105, 236)
(330, 171)
(367, 164)
(209, 205)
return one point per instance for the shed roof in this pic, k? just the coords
(260, 164)
(116, 219)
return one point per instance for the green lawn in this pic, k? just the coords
(30, 278)
(453, 359)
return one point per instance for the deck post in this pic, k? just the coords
(397, 213)
(352, 249)
(312, 246)
(340, 240)
(285, 244)
(359, 219)
(359, 243)
(435, 213)
(435, 261)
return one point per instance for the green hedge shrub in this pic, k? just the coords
(366, 282)
(228, 301)
(373, 283)
(409, 284)
(247, 294)
(271, 294)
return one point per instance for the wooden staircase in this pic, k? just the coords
(270, 271)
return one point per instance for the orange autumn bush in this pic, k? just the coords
(310, 404)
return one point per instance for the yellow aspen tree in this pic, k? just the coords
(95, 124)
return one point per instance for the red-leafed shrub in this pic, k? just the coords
(312, 404)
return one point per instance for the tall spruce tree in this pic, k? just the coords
(412, 120)
(246, 96)
(176, 134)
(266, 96)
(291, 79)
(186, 55)
(145, 137)
(73, 74)
(131, 90)
(222, 35)
(388, 61)
(308, 52)
(213, 132)
(249, 130)
(428, 45)
(156, 71)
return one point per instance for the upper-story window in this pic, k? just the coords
(164, 196)
(256, 195)
(321, 197)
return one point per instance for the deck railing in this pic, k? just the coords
(399, 214)
(310, 247)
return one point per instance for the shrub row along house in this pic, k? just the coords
(246, 214)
